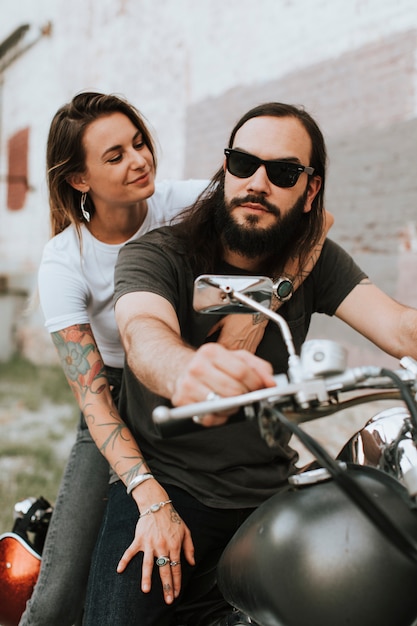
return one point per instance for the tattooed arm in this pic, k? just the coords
(85, 372)
(86, 375)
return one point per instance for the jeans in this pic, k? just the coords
(116, 599)
(58, 596)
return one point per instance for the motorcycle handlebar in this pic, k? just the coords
(303, 393)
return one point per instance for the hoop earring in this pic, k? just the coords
(86, 214)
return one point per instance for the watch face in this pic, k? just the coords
(283, 288)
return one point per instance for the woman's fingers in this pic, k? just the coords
(176, 572)
(128, 555)
(166, 575)
(162, 545)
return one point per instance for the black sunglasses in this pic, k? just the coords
(280, 173)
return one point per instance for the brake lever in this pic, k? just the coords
(162, 414)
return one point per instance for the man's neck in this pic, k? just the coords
(243, 262)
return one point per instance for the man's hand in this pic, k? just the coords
(214, 369)
(179, 372)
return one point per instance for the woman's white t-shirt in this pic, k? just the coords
(76, 280)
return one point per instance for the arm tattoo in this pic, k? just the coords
(84, 373)
(305, 270)
(134, 470)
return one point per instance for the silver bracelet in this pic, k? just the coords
(137, 480)
(154, 508)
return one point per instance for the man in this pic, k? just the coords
(263, 207)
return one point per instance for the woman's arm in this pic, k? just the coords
(245, 332)
(86, 375)
(85, 372)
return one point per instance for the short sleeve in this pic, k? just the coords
(62, 290)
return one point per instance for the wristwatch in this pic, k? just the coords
(283, 289)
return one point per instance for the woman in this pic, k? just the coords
(101, 177)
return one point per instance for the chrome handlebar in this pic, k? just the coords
(314, 378)
(309, 398)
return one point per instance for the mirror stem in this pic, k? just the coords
(240, 297)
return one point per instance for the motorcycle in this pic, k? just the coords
(20, 557)
(338, 545)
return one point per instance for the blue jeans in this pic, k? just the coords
(116, 599)
(58, 596)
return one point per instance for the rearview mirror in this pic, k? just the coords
(215, 294)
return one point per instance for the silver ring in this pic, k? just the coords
(162, 560)
(175, 563)
(210, 396)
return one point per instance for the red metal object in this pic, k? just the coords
(19, 570)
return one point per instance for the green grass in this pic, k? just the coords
(38, 419)
(32, 383)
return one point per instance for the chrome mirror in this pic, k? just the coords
(216, 294)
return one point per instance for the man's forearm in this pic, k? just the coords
(155, 354)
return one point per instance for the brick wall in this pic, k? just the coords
(364, 102)
(370, 87)
(17, 177)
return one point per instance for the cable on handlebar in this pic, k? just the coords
(405, 393)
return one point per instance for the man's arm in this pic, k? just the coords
(150, 335)
(158, 356)
(163, 362)
(387, 323)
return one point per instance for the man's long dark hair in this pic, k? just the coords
(198, 226)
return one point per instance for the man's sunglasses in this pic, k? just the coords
(280, 173)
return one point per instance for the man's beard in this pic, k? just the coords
(256, 242)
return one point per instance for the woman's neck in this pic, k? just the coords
(115, 226)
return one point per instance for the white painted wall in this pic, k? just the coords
(163, 55)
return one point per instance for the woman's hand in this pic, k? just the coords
(161, 534)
